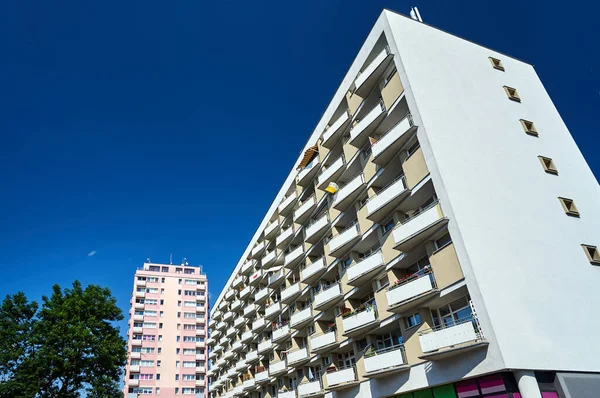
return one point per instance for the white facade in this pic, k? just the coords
(472, 212)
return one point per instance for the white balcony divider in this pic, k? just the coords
(359, 319)
(279, 366)
(271, 227)
(436, 339)
(309, 388)
(290, 291)
(317, 226)
(305, 206)
(415, 224)
(349, 188)
(313, 268)
(327, 294)
(365, 265)
(294, 254)
(285, 234)
(313, 163)
(386, 358)
(340, 376)
(258, 248)
(333, 168)
(287, 201)
(386, 195)
(250, 309)
(364, 75)
(392, 135)
(301, 316)
(367, 120)
(412, 288)
(323, 340)
(281, 332)
(346, 236)
(298, 355)
(335, 126)
(273, 308)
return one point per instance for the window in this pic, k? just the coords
(163, 280)
(189, 303)
(188, 390)
(496, 63)
(188, 315)
(189, 351)
(548, 165)
(442, 242)
(162, 302)
(311, 330)
(189, 364)
(149, 325)
(569, 207)
(413, 148)
(179, 292)
(453, 313)
(189, 327)
(592, 254)
(413, 320)
(529, 127)
(146, 363)
(158, 363)
(158, 376)
(387, 226)
(512, 94)
(157, 388)
(190, 282)
(383, 282)
(148, 313)
(176, 377)
(148, 337)
(189, 377)
(189, 292)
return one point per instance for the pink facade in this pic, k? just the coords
(167, 356)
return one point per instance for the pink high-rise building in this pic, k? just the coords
(167, 356)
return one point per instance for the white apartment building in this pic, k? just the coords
(438, 237)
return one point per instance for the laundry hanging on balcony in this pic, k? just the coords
(308, 156)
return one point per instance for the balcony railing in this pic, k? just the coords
(392, 135)
(286, 202)
(277, 367)
(386, 195)
(411, 226)
(367, 123)
(348, 189)
(273, 310)
(312, 269)
(365, 266)
(384, 359)
(328, 173)
(301, 316)
(285, 235)
(305, 206)
(347, 235)
(307, 169)
(359, 318)
(310, 388)
(334, 129)
(298, 355)
(341, 376)
(281, 333)
(249, 310)
(327, 294)
(410, 287)
(375, 64)
(322, 340)
(445, 336)
(315, 226)
(290, 292)
(269, 229)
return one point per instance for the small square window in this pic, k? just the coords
(592, 254)
(529, 127)
(512, 93)
(548, 165)
(569, 207)
(497, 64)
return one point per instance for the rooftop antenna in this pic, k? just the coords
(415, 14)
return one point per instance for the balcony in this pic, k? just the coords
(245, 293)
(344, 240)
(230, 293)
(301, 318)
(237, 346)
(238, 281)
(286, 394)
(135, 355)
(265, 347)
(322, 342)
(287, 203)
(349, 192)
(256, 277)
(391, 142)
(212, 355)
(262, 294)
(313, 271)
(446, 341)
(136, 343)
(252, 356)
(276, 278)
(416, 229)
(140, 294)
(362, 271)
(360, 320)
(228, 316)
(200, 369)
(341, 378)
(316, 228)
(290, 293)
(335, 130)
(270, 229)
(134, 369)
(411, 291)
(215, 333)
(239, 322)
(327, 297)
(276, 368)
(249, 384)
(298, 356)
(249, 310)
(258, 249)
(331, 172)
(310, 389)
(305, 209)
(284, 238)
(238, 390)
(236, 305)
(231, 332)
(259, 324)
(232, 373)
(221, 325)
(273, 310)
(133, 382)
(139, 306)
(294, 256)
(386, 200)
(281, 334)
(308, 172)
(384, 361)
(246, 267)
(262, 377)
(269, 258)
(361, 130)
(138, 317)
(228, 355)
(247, 336)
(370, 75)
(241, 365)
(137, 329)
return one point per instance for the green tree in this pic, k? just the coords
(66, 348)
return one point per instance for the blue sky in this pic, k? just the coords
(141, 128)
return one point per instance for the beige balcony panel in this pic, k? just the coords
(392, 90)
(335, 130)
(445, 266)
(416, 230)
(371, 73)
(415, 168)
